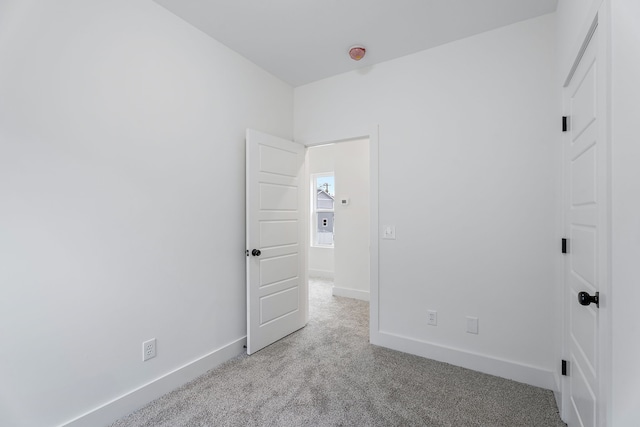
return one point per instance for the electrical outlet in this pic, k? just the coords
(148, 349)
(389, 232)
(432, 317)
(472, 325)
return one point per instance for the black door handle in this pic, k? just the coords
(256, 252)
(585, 299)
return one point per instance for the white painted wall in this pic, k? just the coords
(321, 159)
(468, 155)
(352, 221)
(321, 262)
(121, 131)
(625, 289)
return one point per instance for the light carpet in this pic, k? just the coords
(328, 374)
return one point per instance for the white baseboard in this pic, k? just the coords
(129, 402)
(351, 293)
(519, 372)
(323, 274)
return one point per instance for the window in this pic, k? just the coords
(323, 195)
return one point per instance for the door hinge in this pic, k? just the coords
(565, 368)
(565, 123)
(565, 246)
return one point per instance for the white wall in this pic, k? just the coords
(468, 173)
(321, 262)
(352, 220)
(121, 199)
(625, 289)
(321, 159)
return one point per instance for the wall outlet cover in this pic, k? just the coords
(148, 349)
(389, 232)
(472, 325)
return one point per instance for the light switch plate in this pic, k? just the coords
(389, 232)
(472, 325)
(432, 317)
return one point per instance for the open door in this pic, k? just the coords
(276, 279)
(585, 210)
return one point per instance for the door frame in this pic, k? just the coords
(370, 133)
(598, 19)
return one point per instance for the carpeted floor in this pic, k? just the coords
(328, 374)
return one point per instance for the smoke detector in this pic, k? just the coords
(357, 53)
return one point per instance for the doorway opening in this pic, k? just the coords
(339, 217)
(278, 241)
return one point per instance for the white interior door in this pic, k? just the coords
(276, 279)
(585, 182)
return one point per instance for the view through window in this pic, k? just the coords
(323, 213)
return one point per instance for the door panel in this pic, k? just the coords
(583, 112)
(583, 398)
(276, 197)
(277, 269)
(278, 233)
(277, 305)
(277, 161)
(583, 177)
(276, 284)
(583, 254)
(584, 340)
(585, 212)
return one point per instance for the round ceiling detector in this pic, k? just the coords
(357, 53)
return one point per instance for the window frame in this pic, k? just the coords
(314, 209)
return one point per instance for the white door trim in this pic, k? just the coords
(372, 134)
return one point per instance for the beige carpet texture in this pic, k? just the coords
(327, 374)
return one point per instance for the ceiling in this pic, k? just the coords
(301, 41)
